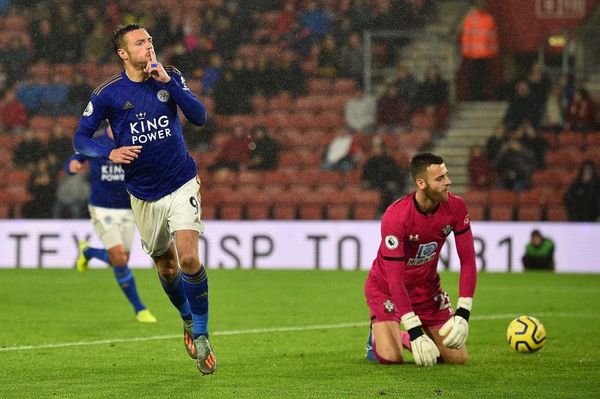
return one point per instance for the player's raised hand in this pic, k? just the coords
(456, 330)
(126, 154)
(424, 350)
(75, 166)
(156, 69)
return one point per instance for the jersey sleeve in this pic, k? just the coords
(466, 250)
(393, 258)
(190, 105)
(83, 143)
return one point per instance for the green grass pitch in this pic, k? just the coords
(283, 334)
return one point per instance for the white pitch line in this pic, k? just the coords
(278, 330)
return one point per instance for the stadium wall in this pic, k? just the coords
(303, 245)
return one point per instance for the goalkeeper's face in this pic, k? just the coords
(437, 183)
(138, 47)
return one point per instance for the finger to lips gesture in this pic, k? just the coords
(156, 70)
(126, 154)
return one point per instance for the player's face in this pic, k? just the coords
(437, 183)
(138, 46)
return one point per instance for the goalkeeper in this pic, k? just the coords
(403, 286)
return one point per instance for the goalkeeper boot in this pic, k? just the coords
(188, 338)
(370, 350)
(144, 316)
(82, 261)
(205, 358)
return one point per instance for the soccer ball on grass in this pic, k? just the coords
(526, 334)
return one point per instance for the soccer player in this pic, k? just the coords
(141, 104)
(403, 285)
(112, 219)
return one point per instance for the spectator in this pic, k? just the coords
(479, 45)
(42, 187)
(55, 96)
(407, 86)
(351, 57)
(4, 80)
(29, 152)
(580, 113)
(481, 174)
(199, 138)
(521, 107)
(315, 21)
(539, 253)
(289, 76)
(382, 172)
(582, 199)
(341, 153)
(433, 96)
(72, 197)
(531, 140)
(79, 93)
(230, 95)
(360, 111)
(264, 150)
(514, 165)
(59, 147)
(212, 73)
(234, 154)
(329, 61)
(392, 111)
(539, 86)
(552, 117)
(495, 143)
(13, 114)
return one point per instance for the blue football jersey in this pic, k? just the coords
(144, 113)
(107, 179)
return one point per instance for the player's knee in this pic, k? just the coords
(457, 357)
(167, 269)
(118, 258)
(189, 262)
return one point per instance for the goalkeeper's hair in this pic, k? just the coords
(116, 41)
(421, 161)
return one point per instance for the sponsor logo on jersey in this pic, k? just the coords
(89, 109)
(148, 130)
(425, 253)
(391, 242)
(112, 172)
(447, 229)
(163, 96)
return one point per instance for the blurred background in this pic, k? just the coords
(316, 106)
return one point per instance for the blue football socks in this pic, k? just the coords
(196, 290)
(125, 279)
(176, 294)
(98, 253)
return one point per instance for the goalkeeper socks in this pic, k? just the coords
(176, 294)
(196, 290)
(98, 253)
(125, 279)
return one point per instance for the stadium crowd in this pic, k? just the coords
(282, 82)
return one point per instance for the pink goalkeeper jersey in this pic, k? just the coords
(406, 264)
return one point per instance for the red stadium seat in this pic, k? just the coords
(477, 212)
(529, 212)
(501, 212)
(556, 214)
(365, 212)
(338, 212)
(502, 197)
(475, 197)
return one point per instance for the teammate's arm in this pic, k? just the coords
(456, 329)
(74, 164)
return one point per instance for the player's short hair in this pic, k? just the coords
(118, 34)
(421, 161)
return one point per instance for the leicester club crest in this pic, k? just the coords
(163, 96)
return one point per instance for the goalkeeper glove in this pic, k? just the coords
(457, 328)
(423, 348)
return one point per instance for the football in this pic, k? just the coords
(526, 334)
